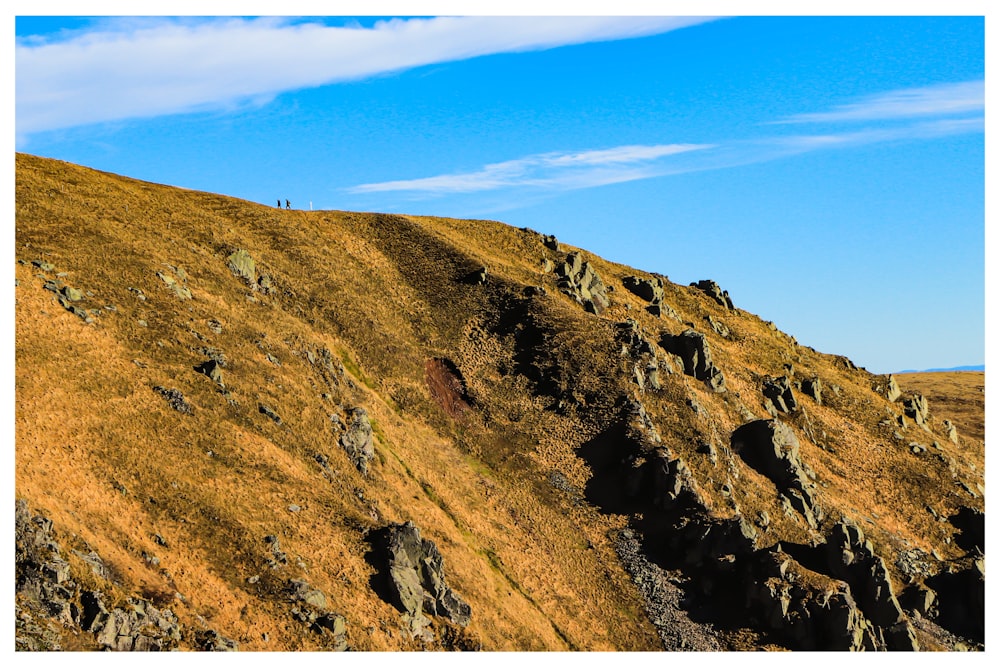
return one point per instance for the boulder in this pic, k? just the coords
(211, 368)
(712, 289)
(779, 396)
(243, 266)
(692, 348)
(771, 448)
(813, 388)
(915, 407)
(647, 289)
(887, 387)
(414, 574)
(578, 279)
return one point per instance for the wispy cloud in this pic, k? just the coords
(144, 68)
(940, 100)
(550, 173)
(563, 171)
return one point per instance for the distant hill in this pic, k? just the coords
(245, 428)
(980, 367)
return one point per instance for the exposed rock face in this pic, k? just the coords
(578, 279)
(176, 284)
(139, 626)
(852, 558)
(778, 392)
(243, 266)
(692, 348)
(357, 440)
(712, 289)
(814, 611)
(311, 611)
(645, 288)
(771, 448)
(813, 388)
(46, 588)
(646, 366)
(887, 387)
(414, 573)
(915, 407)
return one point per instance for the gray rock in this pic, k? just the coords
(887, 387)
(951, 431)
(213, 369)
(358, 440)
(915, 407)
(210, 640)
(712, 289)
(415, 574)
(243, 266)
(692, 347)
(72, 293)
(771, 448)
(813, 388)
(851, 558)
(271, 414)
(778, 392)
(647, 289)
(718, 327)
(175, 399)
(578, 279)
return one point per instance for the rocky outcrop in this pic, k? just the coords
(138, 626)
(815, 612)
(696, 357)
(887, 386)
(813, 387)
(647, 289)
(578, 279)
(358, 440)
(311, 610)
(778, 395)
(915, 407)
(243, 265)
(176, 283)
(851, 558)
(413, 577)
(771, 448)
(175, 399)
(712, 289)
(47, 590)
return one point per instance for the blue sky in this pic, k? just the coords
(827, 171)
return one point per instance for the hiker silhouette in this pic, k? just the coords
(279, 203)
(287, 204)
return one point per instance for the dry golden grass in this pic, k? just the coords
(107, 459)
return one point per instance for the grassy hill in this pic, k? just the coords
(561, 460)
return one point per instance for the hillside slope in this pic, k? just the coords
(245, 427)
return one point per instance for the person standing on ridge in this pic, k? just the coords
(288, 204)
(279, 203)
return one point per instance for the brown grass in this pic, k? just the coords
(108, 460)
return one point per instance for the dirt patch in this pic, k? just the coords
(447, 386)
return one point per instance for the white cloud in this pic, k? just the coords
(938, 100)
(557, 172)
(562, 171)
(144, 68)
